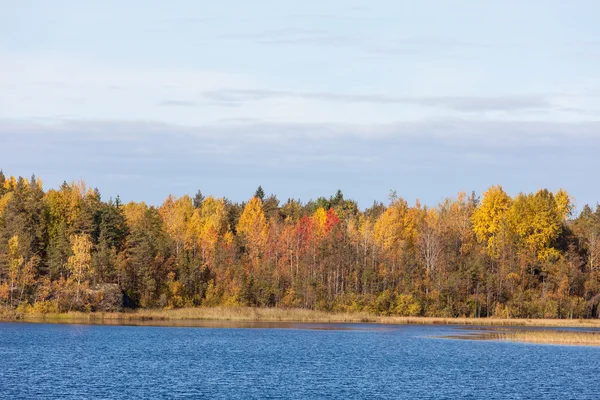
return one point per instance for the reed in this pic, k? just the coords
(575, 338)
(252, 314)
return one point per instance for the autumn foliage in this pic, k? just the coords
(523, 256)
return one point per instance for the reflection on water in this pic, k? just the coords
(218, 324)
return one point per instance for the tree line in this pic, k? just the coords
(524, 256)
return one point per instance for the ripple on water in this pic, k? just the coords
(297, 361)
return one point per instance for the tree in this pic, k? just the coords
(291, 211)
(587, 227)
(509, 257)
(2, 180)
(490, 220)
(538, 220)
(430, 243)
(15, 261)
(207, 226)
(260, 194)
(271, 207)
(337, 200)
(390, 236)
(147, 255)
(175, 214)
(80, 263)
(253, 226)
(319, 221)
(198, 199)
(110, 232)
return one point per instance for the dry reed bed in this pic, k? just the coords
(250, 314)
(574, 338)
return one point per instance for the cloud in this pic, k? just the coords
(455, 103)
(146, 160)
(245, 134)
(388, 45)
(293, 36)
(177, 103)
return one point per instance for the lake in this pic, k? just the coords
(292, 361)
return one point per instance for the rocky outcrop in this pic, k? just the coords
(106, 297)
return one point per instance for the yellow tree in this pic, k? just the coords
(319, 218)
(66, 214)
(15, 261)
(4, 200)
(134, 213)
(390, 225)
(460, 220)
(564, 204)
(10, 184)
(253, 227)
(80, 263)
(490, 220)
(538, 219)
(389, 234)
(175, 214)
(206, 226)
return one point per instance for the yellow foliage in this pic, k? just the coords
(389, 227)
(564, 204)
(319, 219)
(15, 260)
(175, 291)
(175, 214)
(366, 229)
(4, 291)
(24, 308)
(10, 183)
(253, 226)
(513, 276)
(537, 220)
(407, 306)
(67, 204)
(212, 296)
(134, 213)
(490, 219)
(80, 263)
(460, 213)
(46, 307)
(228, 238)
(289, 300)
(4, 200)
(412, 220)
(207, 225)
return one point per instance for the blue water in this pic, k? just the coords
(355, 361)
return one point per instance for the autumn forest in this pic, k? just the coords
(527, 256)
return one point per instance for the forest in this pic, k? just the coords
(526, 256)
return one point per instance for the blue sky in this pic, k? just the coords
(429, 98)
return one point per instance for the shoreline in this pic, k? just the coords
(250, 314)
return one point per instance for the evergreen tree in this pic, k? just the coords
(260, 194)
(198, 199)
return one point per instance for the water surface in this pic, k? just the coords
(295, 361)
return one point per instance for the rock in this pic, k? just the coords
(106, 297)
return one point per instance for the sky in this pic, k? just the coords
(429, 98)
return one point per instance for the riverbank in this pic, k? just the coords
(251, 314)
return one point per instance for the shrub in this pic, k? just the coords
(407, 305)
(46, 307)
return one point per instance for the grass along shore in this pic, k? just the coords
(251, 314)
(573, 338)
